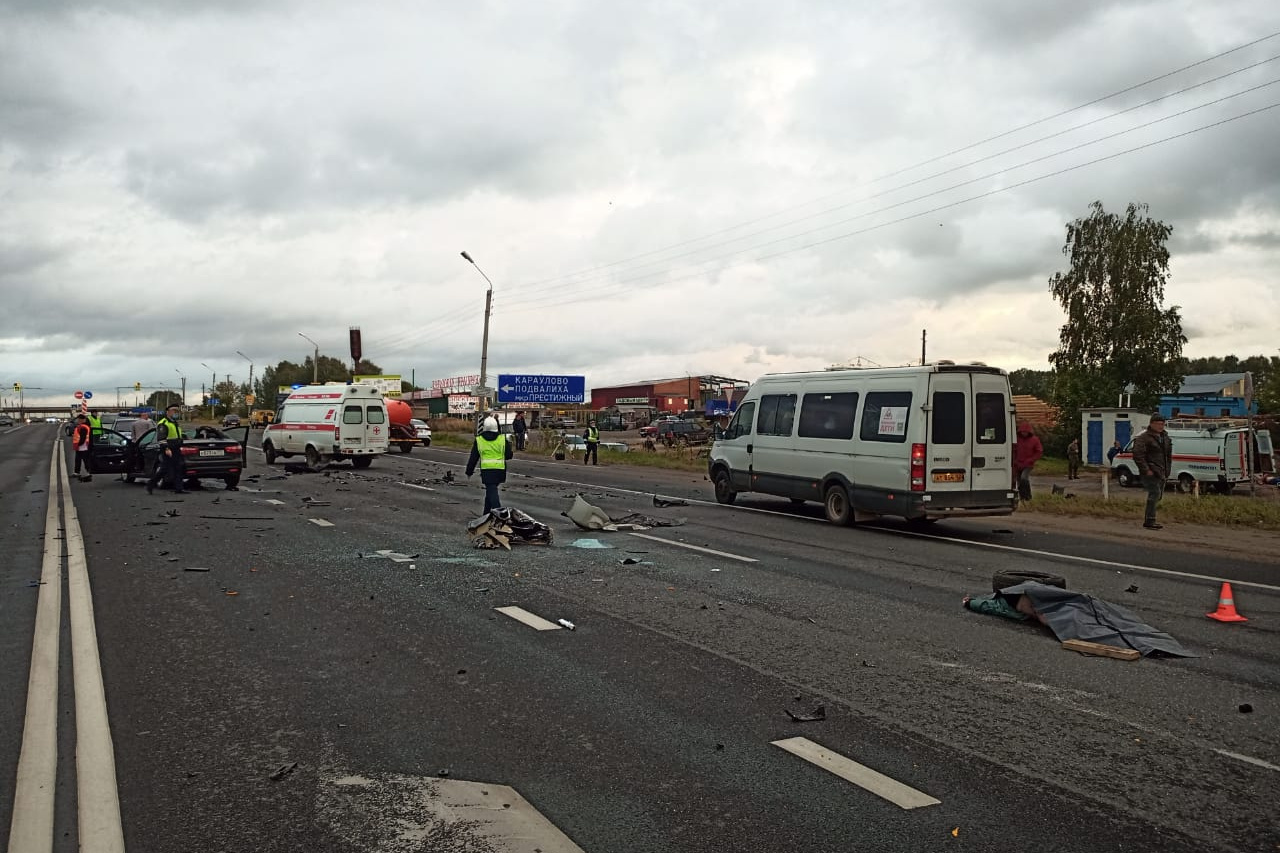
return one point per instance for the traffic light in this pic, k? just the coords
(137, 386)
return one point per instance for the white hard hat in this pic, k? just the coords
(490, 425)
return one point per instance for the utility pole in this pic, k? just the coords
(213, 389)
(924, 336)
(246, 401)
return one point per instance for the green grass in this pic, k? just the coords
(1218, 510)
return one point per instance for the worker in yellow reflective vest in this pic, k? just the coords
(170, 464)
(592, 436)
(490, 452)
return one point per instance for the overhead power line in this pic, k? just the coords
(568, 277)
(602, 293)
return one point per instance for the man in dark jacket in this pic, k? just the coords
(1153, 454)
(490, 451)
(518, 429)
(1027, 451)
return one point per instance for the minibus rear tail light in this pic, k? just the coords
(917, 467)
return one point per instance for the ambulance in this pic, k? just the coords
(327, 423)
(1211, 453)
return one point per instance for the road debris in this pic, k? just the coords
(588, 543)
(591, 517)
(661, 502)
(500, 527)
(567, 624)
(817, 715)
(1133, 587)
(283, 770)
(388, 554)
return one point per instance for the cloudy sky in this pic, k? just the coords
(655, 189)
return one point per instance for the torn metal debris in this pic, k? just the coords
(500, 527)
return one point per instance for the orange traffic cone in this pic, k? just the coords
(1226, 611)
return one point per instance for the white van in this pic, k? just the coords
(922, 443)
(330, 422)
(1214, 455)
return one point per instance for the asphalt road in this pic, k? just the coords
(651, 726)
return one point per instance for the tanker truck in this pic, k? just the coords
(403, 433)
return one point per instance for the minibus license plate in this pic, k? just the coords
(949, 477)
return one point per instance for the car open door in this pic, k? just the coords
(240, 434)
(110, 452)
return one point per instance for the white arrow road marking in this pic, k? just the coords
(32, 826)
(882, 786)
(410, 811)
(320, 522)
(532, 620)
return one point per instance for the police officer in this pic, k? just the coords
(490, 451)
(169, 436)
(592, 436)
(95, 424)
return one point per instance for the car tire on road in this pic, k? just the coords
(269, 452)
(313, 457)
(1003, 580)
(1125, 477)
(1186, 483)
(406, 447)
(232, 480)
(361, 461)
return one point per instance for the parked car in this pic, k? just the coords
(231, 421)
(423, 429)
(208, 453)
(682, 432)
(576, 442)
(5, 420)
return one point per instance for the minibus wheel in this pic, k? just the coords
(839, 510)
(724, 488)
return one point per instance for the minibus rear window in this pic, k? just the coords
(948, 417)
(376, 415)
(828, 415)
(352, 415)
(992, 419)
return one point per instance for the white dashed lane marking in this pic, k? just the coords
(697, 548)
(532, 620)
(320, 522)
(902, 796)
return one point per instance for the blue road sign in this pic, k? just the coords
(213, 401)
(88, 395)
(520, 388)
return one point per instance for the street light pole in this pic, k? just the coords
(315, 362)
(213, 389)
(484, 347)
(246, 401)
(184, 386)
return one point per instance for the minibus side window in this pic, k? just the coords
(992, 419)
(376, 415)
(948, 418)
(777, 414)
(741, 423)
(352, 415)
(885, 416)
(828, 415)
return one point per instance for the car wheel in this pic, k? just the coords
(361, 461)
(1125, 477)
(1225, 488)
(838, 508)
(269, 451)
(1186, 483)
(426, 442)
(724, 488)
(406, 447)
(313, 457)
(1004, 580)
(232, 480)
